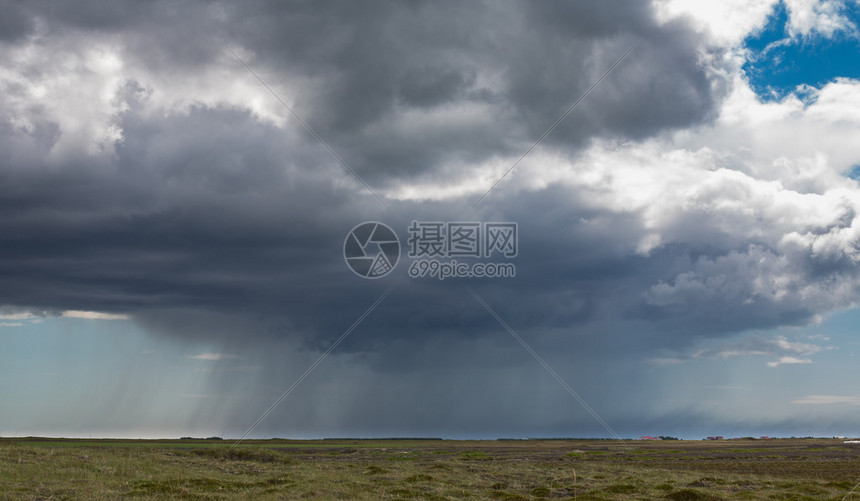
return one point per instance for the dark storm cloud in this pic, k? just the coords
(213, 210)
(140, 224)
(14, 24)
(358, 68)
(172, 201)
(206, 222)
(524, 62)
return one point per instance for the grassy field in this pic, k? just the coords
(416, 469)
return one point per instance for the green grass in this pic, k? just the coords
(386, 470)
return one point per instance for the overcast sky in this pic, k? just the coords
(172, 233)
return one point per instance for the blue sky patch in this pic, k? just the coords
(778, 64)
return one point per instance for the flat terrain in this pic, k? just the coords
(429, 469)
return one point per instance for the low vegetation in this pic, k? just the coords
(412, 469)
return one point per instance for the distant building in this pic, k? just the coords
(647, 437)
(715, 438)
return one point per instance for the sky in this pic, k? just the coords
(179, 181)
